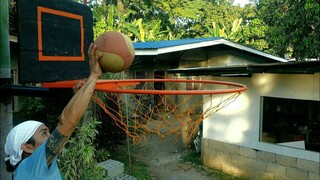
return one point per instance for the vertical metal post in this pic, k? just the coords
(5, 75)
(128, 138)
(4, 40)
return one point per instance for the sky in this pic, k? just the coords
(241, 2)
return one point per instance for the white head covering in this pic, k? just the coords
(19, 135)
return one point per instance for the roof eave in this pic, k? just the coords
(277, 68)
(157, 51)
(254, 51)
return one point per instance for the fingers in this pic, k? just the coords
(98, 55)
(90, 47)
(78, 86)
(94, 57)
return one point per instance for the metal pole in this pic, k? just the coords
(128, 138)
(5, 71)
(4, 41)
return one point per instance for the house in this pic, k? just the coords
(272, 130)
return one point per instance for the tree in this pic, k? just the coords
(254, 33)
(128, 19)
(293, 26)
(220, 30)
(149, 20)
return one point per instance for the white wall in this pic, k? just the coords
(303, 86)
(239, 123)
(199, 58)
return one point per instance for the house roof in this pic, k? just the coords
(170, 43)
(298, 67)
(156, 48)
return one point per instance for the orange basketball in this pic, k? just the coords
(117, 51)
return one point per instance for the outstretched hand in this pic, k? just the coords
(95, 69)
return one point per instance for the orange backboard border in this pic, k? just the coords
(42, 57)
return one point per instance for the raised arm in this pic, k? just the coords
(75, 109)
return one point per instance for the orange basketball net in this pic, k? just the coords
(161, 106)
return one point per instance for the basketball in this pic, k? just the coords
(117, 51)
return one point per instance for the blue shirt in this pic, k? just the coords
(35, 167)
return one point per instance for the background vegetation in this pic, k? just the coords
(286, 28)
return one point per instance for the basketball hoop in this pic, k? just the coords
(161, 106)
(164, 106)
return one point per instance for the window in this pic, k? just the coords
(289, 122)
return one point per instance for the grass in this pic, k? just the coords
(195, 159)
(137, 169)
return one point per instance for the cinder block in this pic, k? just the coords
(205, 142)
(276, 169)
(310, 166)
(222, 157)
(314, 176)
(231, 169)
(217, 145)
(266, 175)
(124, 177)
(296, 174)
(213, 163)
(281, 178)
(266, 156)
(210, 152)
(234, 149)
(240, 160)
(248, 152)
(256, 164)
(113, 168)
(251, 173)
(286, 160)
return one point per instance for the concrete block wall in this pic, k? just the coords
(254, 164)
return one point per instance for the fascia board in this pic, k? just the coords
(176, 48)
(146, 52)
(254, 51)
(205, 44)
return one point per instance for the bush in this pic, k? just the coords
(78, 159)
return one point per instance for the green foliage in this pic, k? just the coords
(220, 30)
(46, 110)
(158, 19)
(293, 26)
(110, 134)
(254, 35)
(127, 21)
(279, 27)
(78, 159)
(193, 157)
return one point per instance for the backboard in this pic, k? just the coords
(54, 37)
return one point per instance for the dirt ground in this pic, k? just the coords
(163, 156)
(164, 159)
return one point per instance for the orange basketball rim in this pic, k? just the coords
(160, 106)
